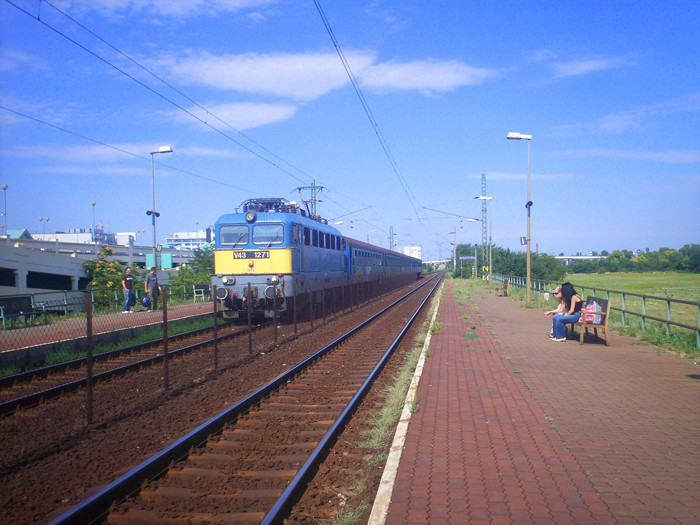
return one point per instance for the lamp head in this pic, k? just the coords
(513, 135)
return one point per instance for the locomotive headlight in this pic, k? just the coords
(250, 216)
(273, 280)
(228, 279)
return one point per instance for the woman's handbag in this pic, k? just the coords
(146, 301)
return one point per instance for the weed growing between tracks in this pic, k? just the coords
(382, 426)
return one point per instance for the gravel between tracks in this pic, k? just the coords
(51, 460)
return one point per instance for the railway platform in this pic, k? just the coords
(14, 344)
(510, 427)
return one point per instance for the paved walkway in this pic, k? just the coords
(513, 428)
(75, 327)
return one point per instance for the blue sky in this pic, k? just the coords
(254, 100)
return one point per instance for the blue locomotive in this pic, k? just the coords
(275, 249)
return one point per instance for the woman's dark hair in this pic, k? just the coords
(567, 292)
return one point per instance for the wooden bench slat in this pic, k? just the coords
(603, 324)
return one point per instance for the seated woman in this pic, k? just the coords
(572, 309)
(559, 310)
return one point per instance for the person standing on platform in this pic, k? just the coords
(152, 288)
(127, 282)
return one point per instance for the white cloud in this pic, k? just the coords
(170, 8)
(241, 115)
(586, 66)
(14, 59)
(308, 76)
(633, 118)
(423, 75)
(298, 76)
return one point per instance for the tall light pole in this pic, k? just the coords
(152, 212)
(4, 215)
(520, 136)
(92, 226)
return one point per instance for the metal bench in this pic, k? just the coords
(16, 307)
(201, 290)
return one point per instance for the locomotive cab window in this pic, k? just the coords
(234, 234)
(307, 236)
(268, 234)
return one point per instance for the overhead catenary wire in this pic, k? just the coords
(160, 95)
(253, 147)
(116, 148)
(167, 99)
(365, 107)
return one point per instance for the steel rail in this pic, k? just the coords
(29, 400)
(97, 506)
(30, 375)
(297, 486)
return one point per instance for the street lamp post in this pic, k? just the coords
(92, 226)
(454, 251)
(152, 212)
(528, 204)
(4, 215)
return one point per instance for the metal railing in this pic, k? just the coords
(628, 304)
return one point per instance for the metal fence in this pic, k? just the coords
(52, 322)
(76, 327)
(664, 310)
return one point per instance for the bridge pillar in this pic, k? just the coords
(21, 280)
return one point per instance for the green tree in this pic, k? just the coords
(546, 268)
(105, 274)
(199, 271)
(203, 262)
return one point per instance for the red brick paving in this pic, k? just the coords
(64, 329)
(513, 428)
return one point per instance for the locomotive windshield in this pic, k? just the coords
(268, 234)
(234, 234)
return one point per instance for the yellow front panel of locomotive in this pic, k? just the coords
(253, 262)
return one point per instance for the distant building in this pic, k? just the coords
(19, 235)
(189, 240)
(78, 235)
(412, 251)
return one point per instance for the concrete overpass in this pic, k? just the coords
(31, 266)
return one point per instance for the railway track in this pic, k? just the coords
(251, 462)
(27, 389)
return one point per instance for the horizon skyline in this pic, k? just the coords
(395, 108)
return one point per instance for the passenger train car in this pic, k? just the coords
(275, 245)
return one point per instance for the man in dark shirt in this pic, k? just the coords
(153, 288)
(127, 282)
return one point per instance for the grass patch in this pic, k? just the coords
(351, 517)
(63, 355)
